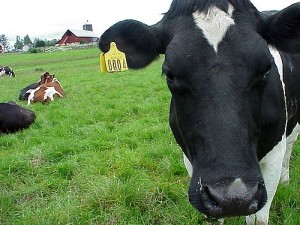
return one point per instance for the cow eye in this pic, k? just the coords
(166, 71)
(267, 72)
(261, 81)
(170, 76)
(265, 76)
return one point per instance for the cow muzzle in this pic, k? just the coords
(225, 199)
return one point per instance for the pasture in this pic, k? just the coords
(105, 153)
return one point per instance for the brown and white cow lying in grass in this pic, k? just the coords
(45, 78)
(46, 91)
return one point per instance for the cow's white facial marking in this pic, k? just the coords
(214, 24)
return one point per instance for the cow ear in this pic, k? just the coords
(138, 41)
(282, 29)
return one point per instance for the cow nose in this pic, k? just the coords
(234, 199)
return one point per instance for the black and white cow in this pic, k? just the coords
(23, 95)
(6, 71)
(14, 118)
(234, 76)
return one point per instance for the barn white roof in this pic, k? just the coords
(83, 33)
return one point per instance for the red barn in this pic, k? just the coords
(77, 36)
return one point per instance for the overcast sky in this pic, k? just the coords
(50, 19)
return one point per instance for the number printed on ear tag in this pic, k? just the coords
(114, 60)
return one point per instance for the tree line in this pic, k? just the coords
(21, 42)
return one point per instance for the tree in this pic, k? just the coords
(50, 42)
(39, 43)
(4, 41)
(19, 43)
(27, 40)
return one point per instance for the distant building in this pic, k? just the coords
(88, 26)
(79, 36)
(26, 48)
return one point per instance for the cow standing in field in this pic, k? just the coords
(14, 118)
(234, 76)
(6, 71)
(45, 78)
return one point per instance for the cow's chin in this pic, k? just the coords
(214, 202)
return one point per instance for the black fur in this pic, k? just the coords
(14, 118)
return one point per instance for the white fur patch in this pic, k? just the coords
(31, 94)
(291, 139)
(50, 92)
(279, 64)
(188, 165)
(270, 166)
(214, 24)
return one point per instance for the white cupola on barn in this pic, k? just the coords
(88, 26)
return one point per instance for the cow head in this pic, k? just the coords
(46, 78)
(11, 72)
(227, 108)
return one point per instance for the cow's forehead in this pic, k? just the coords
(218, 37)
(214, 24)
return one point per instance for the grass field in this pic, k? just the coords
(105, 153)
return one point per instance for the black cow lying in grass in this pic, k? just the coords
(14, 117)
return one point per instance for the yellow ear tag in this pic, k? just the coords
(114, 60)
(102, 63)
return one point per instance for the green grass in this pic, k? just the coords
(105, 153)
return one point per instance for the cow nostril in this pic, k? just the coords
(261, 195)
(211, 203)
(253, 206)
